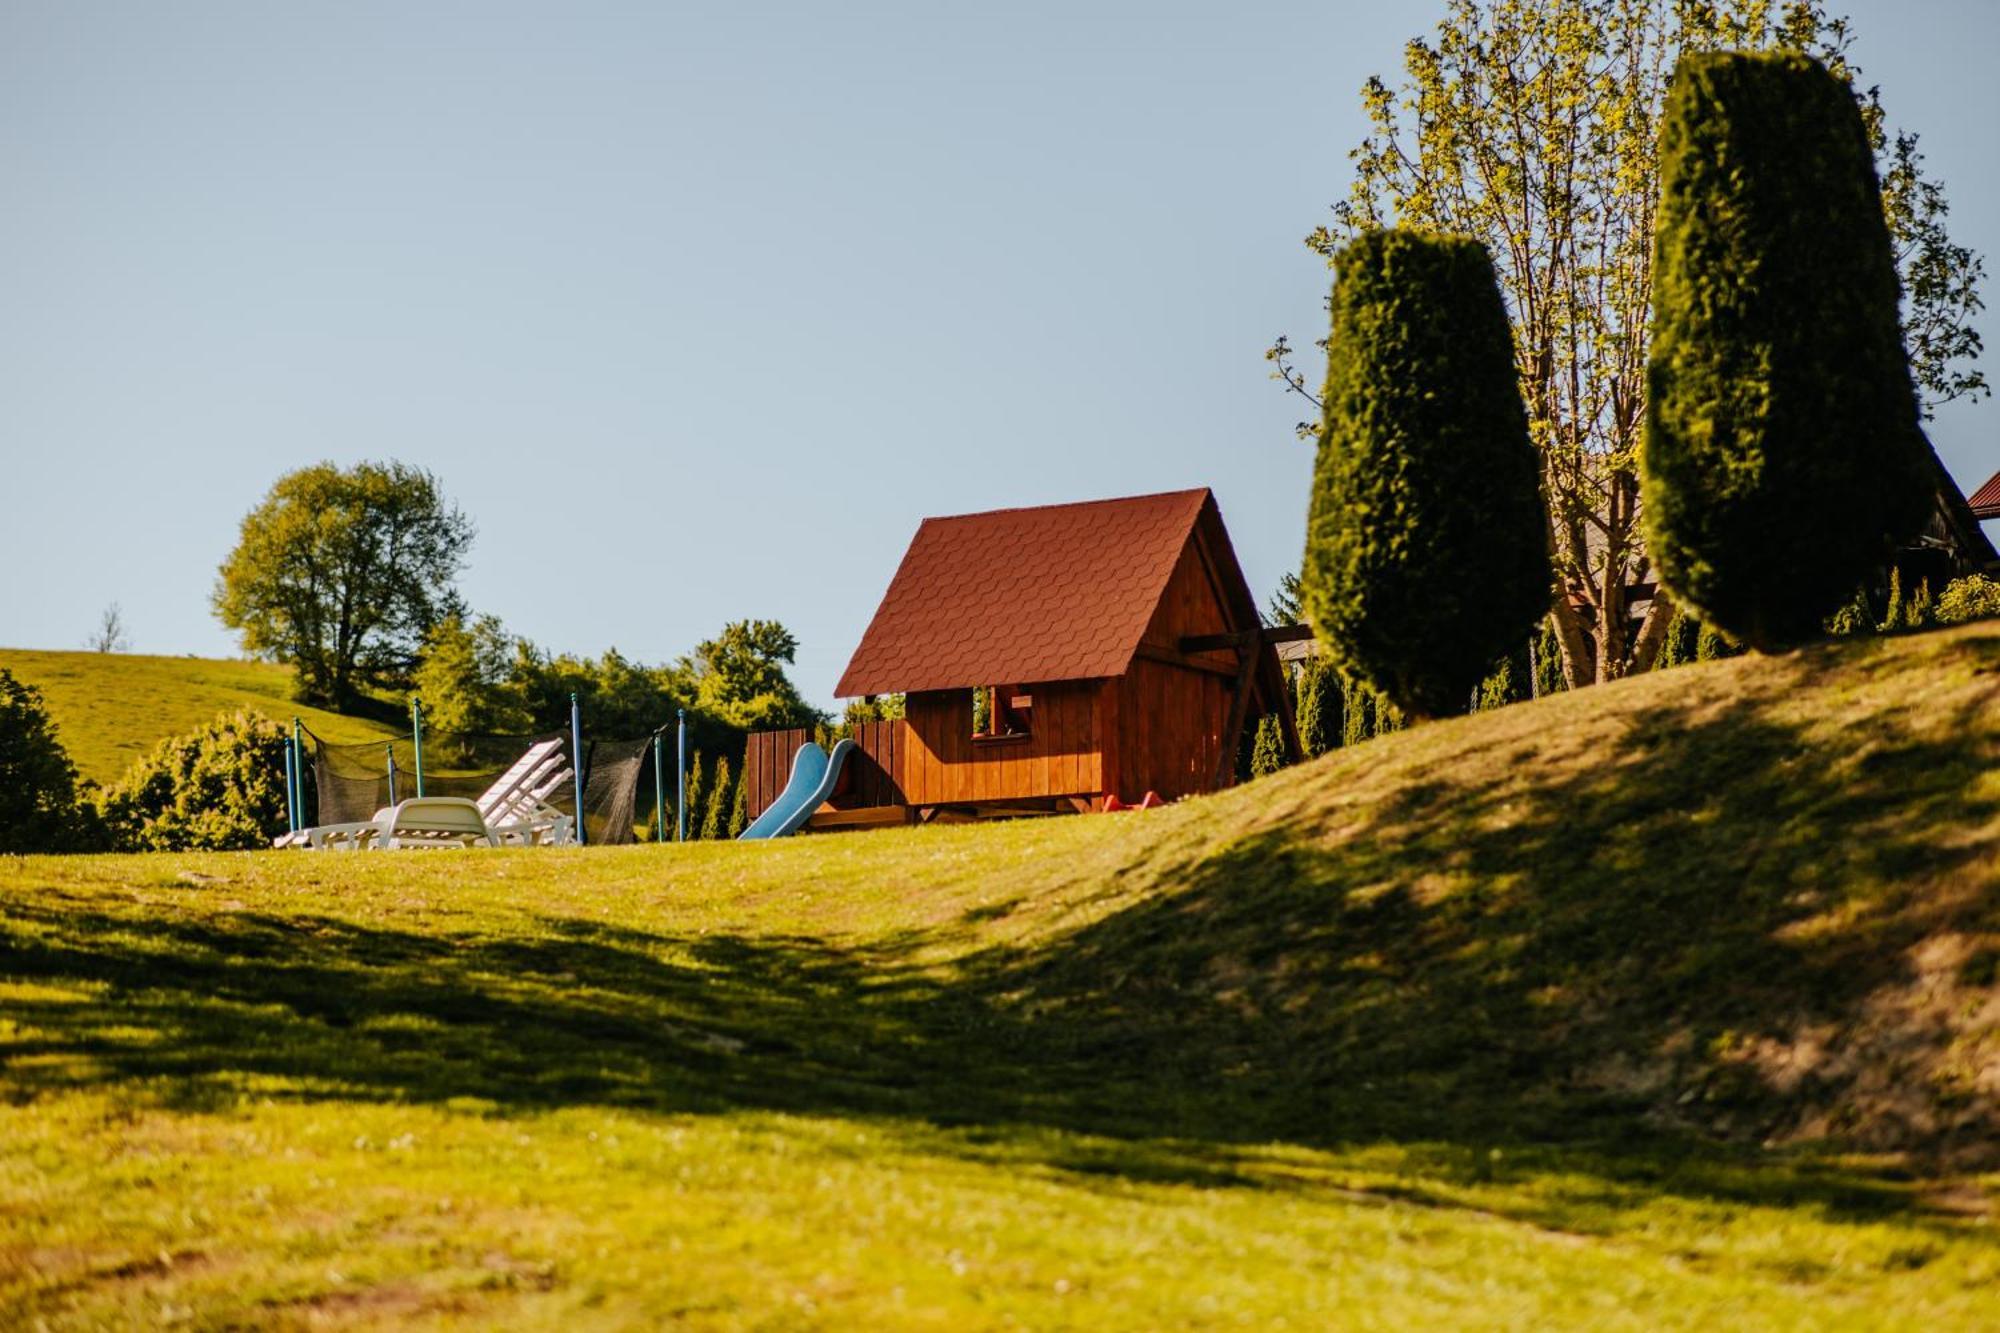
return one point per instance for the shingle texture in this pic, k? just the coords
(1018, 596)
(1985, 501)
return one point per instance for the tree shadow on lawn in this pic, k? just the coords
(1586, 971)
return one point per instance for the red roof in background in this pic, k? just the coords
(1019, 596)
(1985, 501)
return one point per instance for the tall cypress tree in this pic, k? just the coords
(1782, 456)
(715, 818)
(695, 791)
(1319, 708)
(739, 809)
(1267, 756)
(1426, 551)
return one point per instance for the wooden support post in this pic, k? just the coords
(1239, 708)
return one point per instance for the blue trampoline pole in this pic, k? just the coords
(299, 767)
(417, 739)
(390, 750)
(681, 777)
(576, 760)
(291, 788)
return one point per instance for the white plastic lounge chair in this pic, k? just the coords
(514, 810)
(516, 806)
(433, 821)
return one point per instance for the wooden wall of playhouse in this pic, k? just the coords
(1156, 728)
(931, 757)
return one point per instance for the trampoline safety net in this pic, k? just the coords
(352, 782)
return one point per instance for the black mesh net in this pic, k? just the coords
(508, 777)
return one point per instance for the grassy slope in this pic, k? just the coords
(110, 708)
(1668, 1004)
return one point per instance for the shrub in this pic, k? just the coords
(220, 788)
(696, 789)
(739, 809)
(1267, 753)
(715, 814)
(1426, 556)
(1974, 597)
(1319, 708)
(1852, 617)
(1782, 456)
(39, 810)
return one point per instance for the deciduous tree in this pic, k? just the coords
(342, 572)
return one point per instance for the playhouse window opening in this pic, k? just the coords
(1000, 711)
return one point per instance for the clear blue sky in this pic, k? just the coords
(696, 310)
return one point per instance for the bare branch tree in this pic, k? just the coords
(109, 636)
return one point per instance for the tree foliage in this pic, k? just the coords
(219, 788)
(39, 809)
(739, 677)
(342, 573)
(1782, 456)
(1424, 550)
(1974, 597)
(1319, 708)
(715, 810)
(1286, 604)
(465, 677)
(1267, 749)
(1532, 125)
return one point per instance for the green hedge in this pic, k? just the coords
(1782, 456)
(1426, 553)
(220, 788)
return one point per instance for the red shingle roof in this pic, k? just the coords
(1018, 596)
(1985, 501)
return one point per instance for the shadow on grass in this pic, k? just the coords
(1591, 961)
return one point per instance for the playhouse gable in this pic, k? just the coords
(1055, 592)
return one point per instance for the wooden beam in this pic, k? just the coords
(1239, 708)
(1209, 643)
(872, 816)
(1169, 657)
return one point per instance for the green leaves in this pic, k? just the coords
(341, 574)
(39, 811)
(220, 788)
(1533, 128)
(1782, 456)
(1425, 554)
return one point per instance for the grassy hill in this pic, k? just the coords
(110, 708)
(1667, 1004)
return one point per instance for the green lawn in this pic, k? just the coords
(110, 708)
(1669, 1004)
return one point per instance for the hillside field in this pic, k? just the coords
(1673, 1003)
(111, 708)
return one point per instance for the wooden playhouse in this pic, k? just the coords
(1051, 658)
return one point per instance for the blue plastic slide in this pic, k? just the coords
(814, 773)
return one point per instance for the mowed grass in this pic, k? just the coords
(111, 708)
(1668, 1004)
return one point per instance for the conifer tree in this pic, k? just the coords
(715, 819)
(1426, 556)
(1782, 457)
(739, 809)
(1267, 755)
(695, 789)
(1319, 708)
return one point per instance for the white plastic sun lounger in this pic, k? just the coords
(433, 821)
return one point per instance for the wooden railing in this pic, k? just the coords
(866, 780)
